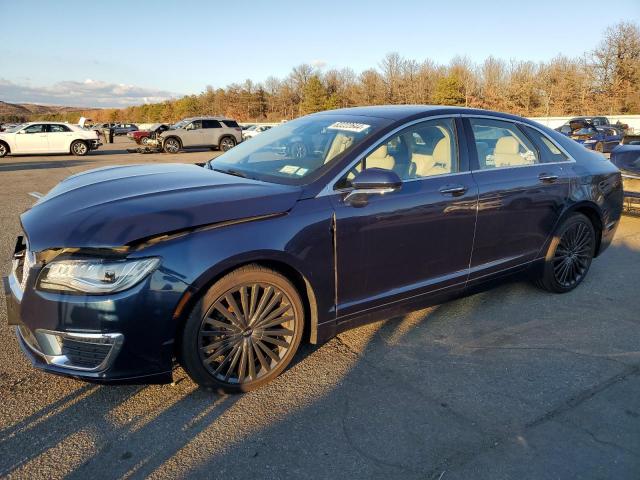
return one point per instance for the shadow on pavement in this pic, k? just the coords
(39, 165)
(502, 384)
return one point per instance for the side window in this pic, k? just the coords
(422, 150)
(53, 128)
(34, 129)
(211, 124)
(548, 150)
(230, 124)
(566, 129)
(196, 125)
(501, 144)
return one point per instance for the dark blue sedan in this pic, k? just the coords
(600, 139)
(315, 226)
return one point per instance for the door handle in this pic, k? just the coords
(454, 190)
(547, 178)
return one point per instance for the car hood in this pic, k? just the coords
(115, 206)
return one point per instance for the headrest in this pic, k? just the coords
(379, 152)
(507, 145)
(442, 152)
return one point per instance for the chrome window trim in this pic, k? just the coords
(626, 175)
(570, 158)
(329, 189)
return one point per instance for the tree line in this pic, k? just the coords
(605, 81)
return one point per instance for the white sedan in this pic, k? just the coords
(255, 130)
(48, 137)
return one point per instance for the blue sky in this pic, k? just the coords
(80, 53)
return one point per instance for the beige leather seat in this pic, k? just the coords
(380, 158)
(339, 144)
(436, 164)
(507, 153)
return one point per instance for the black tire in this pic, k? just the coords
(221, 351)
(79, 148)
(569, 255)
(171, 145)
(4, 149)
(144, 140)
(227, 143)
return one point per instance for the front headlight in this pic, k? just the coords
(95, 276)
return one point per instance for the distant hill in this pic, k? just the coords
(27, 109)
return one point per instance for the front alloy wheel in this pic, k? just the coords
(244, 331)
(79, 148)
(3, 150)
(171, 145)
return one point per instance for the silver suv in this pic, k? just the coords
(213, 132)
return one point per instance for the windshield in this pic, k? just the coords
(180, 124)
(15, 128)
(293, 152)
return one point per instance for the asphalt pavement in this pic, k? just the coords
(512, 383)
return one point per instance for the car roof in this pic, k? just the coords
(400, 112)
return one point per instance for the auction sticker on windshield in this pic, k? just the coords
(349, 127)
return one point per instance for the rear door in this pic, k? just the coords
(522, 186)
(211, 132)
(32, 139)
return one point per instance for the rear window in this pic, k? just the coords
(210, 124)
(231, 123)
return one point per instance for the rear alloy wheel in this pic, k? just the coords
(227, 143)
(4, 150)
(171, 145)
(569, 256)
(79, 148)
(244, 331)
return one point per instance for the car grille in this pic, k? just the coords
(85, 354)
(76, 351)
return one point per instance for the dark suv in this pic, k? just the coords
(213, 132)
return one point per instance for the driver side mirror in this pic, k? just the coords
(372, 181)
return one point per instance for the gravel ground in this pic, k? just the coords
(510, 383)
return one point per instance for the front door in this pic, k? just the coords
(32, 139)
(192, 134)
(60, 137)
(416, 240)
(522, 188)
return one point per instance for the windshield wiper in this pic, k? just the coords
(235, 173)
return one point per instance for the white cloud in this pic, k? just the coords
(318, 63)
(88, 93)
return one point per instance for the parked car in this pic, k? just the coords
(48, 137)
(252, 132)
(141, 137)
(227, 268)
(601, 139)
(247, 126)
(596, 121)
(627, 159)
(212, 132)
(124, 128)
